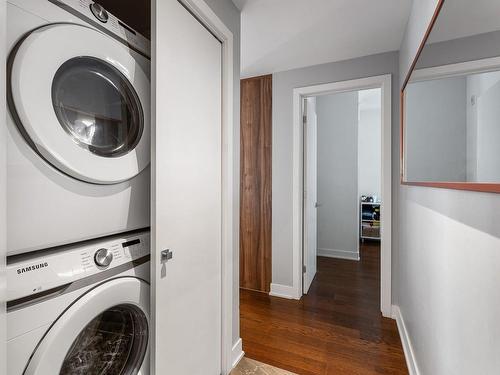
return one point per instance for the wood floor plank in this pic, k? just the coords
(337, 328)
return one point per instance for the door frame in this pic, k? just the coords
(3, 185)
(383, 82)
(207, 17)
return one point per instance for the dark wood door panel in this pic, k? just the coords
(255, 188)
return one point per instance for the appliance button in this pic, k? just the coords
(99, 12)
(103, 257)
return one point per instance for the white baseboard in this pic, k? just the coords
(341, 254)
(405, 341)
(237, 352)
(283, 291)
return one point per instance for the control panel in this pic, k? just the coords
(96, 12)
(42, 271)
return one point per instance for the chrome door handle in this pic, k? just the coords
(166, 255)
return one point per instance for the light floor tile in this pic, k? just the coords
(248, 366)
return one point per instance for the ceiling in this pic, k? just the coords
(240, 4)
(462, 18)
(280, 35)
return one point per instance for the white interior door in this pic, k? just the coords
(186, 196)
(3, 174)
(310, 191)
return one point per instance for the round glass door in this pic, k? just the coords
(113, 343)
(97, 106)
(105, 331)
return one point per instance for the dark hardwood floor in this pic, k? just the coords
(337, 328)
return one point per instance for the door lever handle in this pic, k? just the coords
(166, 255)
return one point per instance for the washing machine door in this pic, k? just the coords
(105, 332)
(82, 100)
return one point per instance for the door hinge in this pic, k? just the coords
(304, 268)
(304, 119)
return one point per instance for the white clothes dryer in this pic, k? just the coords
(78, 126)
(80, 310)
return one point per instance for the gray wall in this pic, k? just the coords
(230, 15)
(436, 130)
(474, 47)
(338, 171)
(488, 135)
(447, 275)
(283, 85)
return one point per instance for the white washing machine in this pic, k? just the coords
(78, 127)
(80, 310)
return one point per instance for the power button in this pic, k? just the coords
(103, 257)
(99, 12)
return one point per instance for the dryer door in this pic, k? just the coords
(104, 332)
(82, 100)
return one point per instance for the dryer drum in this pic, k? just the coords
(97, 106)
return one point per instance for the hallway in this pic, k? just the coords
(336, 329)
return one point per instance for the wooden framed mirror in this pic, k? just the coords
(450, 101)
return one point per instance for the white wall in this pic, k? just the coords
(283, 85)
(230, 15)
(447, 268)
(370, 142)
(436, 130)
(420, 15)
(338, 173)
(3, 194)
(483, 158)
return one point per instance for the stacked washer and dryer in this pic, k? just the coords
(78, 190)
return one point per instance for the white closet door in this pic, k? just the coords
(186, 196)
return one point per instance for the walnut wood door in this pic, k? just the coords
(255, 194)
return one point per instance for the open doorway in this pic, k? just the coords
(342, 178)
(343, 181)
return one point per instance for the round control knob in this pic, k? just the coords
(99, 12)
(103, 257)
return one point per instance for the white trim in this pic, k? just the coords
(340, 254)
(384, 82)
(284, 291)
(237, 353)
(3, 187)
(210, 20)
(459, 69)
(405, 341)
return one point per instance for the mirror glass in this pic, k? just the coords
(451, 118)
